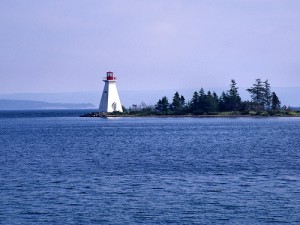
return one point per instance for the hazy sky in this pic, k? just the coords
(64, 46)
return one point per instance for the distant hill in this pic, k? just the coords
(27, 105)
(288, 96)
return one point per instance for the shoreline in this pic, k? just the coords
(105, 115)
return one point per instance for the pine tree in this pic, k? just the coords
(275, 102)
(158, 105)
(182, 100)
(162, 104)
(222, 102)
(257, 93)
(165, 104)
(267, 95)
(233, 100)
(194, 101)
(210, 103)
(216, 96)
(201, 102)
(217, 101)
(176, 104)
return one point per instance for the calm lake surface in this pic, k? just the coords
(57, 168)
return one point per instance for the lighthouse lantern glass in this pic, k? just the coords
(110, 76)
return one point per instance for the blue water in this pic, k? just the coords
(58, 168)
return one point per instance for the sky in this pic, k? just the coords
(68, 45)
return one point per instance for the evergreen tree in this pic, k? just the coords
(275, 102)
(222, 102)
(267, 95)
(158, 105)
(176, 104)
(201, 93)
(194, 101)
(183, 105)
(162, 104)
(182, 100)
(261, 95)
(215, 96)
(201, 103)
(217, 101)
(233, 99)
(210, 103)
(257, 93)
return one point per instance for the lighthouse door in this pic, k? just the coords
(114, 106)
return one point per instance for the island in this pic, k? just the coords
(263, 102)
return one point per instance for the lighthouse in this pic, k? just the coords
(110, 101)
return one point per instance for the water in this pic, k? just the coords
(57, 168)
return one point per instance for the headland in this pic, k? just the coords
(216, 115)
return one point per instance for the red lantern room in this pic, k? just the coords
(110, 76)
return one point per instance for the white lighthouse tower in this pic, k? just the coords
(110, 101)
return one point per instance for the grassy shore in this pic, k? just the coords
(222, 114)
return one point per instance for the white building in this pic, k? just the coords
(110, 101)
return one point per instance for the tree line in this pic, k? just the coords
(209, 103)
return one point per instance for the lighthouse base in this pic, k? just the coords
(110, 101)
